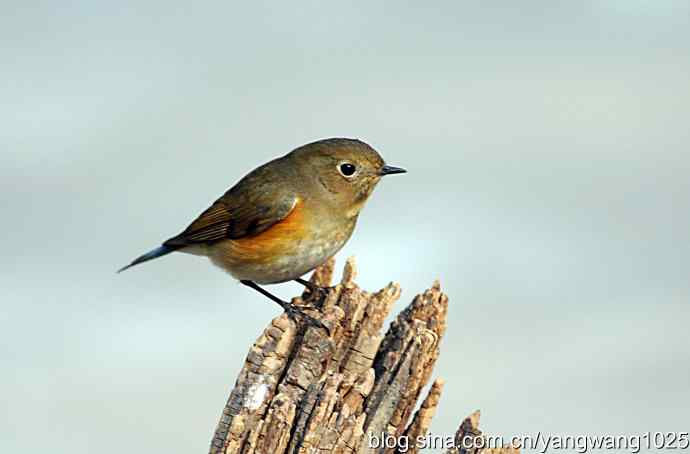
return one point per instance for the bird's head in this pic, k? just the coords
(348, 169)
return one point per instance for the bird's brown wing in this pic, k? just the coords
(236, 215)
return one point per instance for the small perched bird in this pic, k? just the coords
(286, 217)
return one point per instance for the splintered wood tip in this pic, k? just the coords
(349, 272)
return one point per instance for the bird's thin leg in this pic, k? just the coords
(289, 308)
(313, 288)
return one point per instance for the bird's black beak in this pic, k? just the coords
(390, 170)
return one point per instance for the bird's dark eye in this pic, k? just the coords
(347, 169)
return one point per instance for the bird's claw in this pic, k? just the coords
(318, 293)
(294, 313)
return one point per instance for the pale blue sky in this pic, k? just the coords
(547, 145)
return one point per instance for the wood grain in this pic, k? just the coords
(303, 390)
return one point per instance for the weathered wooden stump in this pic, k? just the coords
(305, 390)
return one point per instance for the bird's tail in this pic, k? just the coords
(154, 254)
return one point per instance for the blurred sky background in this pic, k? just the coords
(547, 144)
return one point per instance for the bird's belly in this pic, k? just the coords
(274, 256)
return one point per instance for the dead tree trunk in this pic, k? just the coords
(305, 390)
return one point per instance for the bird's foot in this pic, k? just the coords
(292, 310)
(316, 293)
(295, 312)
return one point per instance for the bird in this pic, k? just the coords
(286, 217)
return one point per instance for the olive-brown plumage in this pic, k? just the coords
(286, 217)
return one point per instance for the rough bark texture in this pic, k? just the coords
(305, 390)
(470, 440)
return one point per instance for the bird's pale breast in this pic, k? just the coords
(287, 250)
